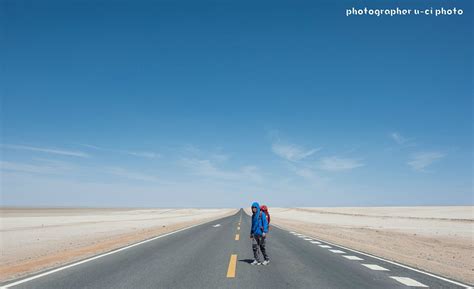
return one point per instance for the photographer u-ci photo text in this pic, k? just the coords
(397, 11)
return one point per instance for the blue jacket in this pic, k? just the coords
(259, 222)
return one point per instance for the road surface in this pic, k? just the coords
(218, 255)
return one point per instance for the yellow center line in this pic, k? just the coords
(237, 237)
(232, 266)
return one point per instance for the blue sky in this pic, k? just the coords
(220, 103)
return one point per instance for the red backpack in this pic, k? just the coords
(267, 214)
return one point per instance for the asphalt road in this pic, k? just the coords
(203, 257)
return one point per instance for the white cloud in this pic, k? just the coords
(40, 168)
(142, 154)
(61, 169)
(310, 175)
(219, 157)
(48, 150)
(90, 146)
(206, 168)
(198, 153)
(422, 160)
(339, 164)
(401, 140)
(121, 172)
(292, 152)
(305, 173)
(150, 155)
(398, 138)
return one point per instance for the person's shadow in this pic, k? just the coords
(248, 261)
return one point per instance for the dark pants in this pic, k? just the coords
(259, 242)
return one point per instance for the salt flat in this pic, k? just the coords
(35, 239)
(436, 239)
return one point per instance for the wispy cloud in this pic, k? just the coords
(398, 138)
(420, 161)
(150, 155)
(402, 140)
(198, 153)
(219, 157)
(292, 152)
(142, 154)
(65, 169)
(339, 164)
(48, 150)
(121, 172)
(310, 175)
(40, 166)
(206, 168)
(50, 169)
(90, 146)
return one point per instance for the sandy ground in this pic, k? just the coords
(435, 239)
(37, 239)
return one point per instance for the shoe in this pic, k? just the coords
(266, 262)
(255, 262)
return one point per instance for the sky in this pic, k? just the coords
(221, 103)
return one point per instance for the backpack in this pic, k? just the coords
(267, 214)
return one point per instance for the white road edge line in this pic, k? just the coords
(408, 281)
(95, 257)
(392, 262)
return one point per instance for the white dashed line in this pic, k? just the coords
(338, 251)
(325, 246)
(353, 258)
(217, 225)
(302, 236)
(375, 267)
(307, 239)
(408, 281)
(392, 262)
(315, 242)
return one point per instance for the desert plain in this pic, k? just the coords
(439, 240)
(38, 239)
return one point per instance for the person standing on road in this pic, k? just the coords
(258, 233)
